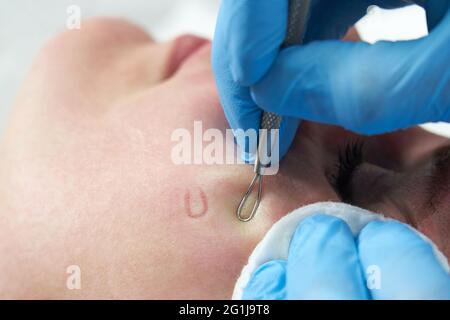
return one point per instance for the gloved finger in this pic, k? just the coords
(332, 19)
(240, 110)
(243, 115)
(402, 264)
(323, 261)
(253, 31)
(268, 282)
(364, 88)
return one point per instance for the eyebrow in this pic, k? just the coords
(440, 178)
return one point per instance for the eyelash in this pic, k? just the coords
(350, 158)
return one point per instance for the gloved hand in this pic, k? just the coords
(365, 88)
(326, 262)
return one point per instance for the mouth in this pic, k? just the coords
(184, 47)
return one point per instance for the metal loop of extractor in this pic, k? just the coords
(257, 179)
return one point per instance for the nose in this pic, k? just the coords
(181, 49)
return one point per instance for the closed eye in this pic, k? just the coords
(350, 158)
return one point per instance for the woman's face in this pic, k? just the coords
(87, 177)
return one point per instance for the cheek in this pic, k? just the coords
(213, 259)
(285, 193)
(204, 253)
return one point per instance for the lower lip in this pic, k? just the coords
(184, 47)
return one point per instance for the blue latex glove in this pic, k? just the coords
(366, 88)
(326, 262)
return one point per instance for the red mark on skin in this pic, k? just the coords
(195, 203)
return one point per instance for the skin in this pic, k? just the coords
(86, 176)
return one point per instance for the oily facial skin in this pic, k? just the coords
(87, 179)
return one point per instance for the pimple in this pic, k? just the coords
(195, 202)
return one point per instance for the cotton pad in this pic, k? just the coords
(275, 245)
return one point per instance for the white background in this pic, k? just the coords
(26, 24)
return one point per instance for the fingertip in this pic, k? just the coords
(385, 232)
(319, 234)
(406, 264)
(318, 229)
(267, 282)
(323, 261)
(388, 242)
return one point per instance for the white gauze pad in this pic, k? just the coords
(275, 245)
